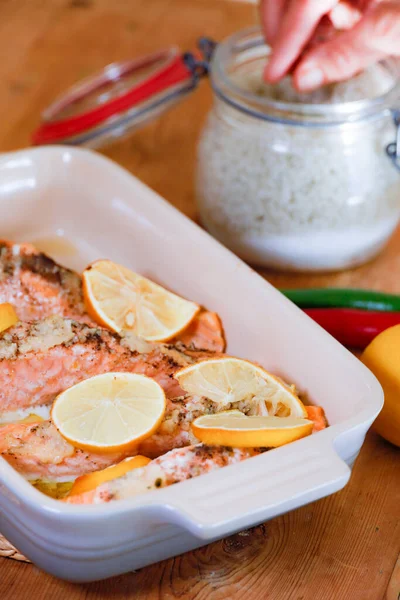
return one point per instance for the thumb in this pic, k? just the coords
(375, 36)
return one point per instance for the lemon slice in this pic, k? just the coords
(227, 381)
(110, 412)
(8, 316)
(91, 481)
(240, 431)
(123, 300)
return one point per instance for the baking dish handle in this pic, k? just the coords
(253, 491)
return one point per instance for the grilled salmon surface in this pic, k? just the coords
(37, 286)
(41, 359)
(175, 466)
(38, 451)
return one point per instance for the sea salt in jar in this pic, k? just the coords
(298, 182)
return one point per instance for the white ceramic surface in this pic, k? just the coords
(106, 212)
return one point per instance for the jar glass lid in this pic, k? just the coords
(122, 97)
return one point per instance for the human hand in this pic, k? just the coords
(323, 41)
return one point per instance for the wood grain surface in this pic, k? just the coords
(345, 547)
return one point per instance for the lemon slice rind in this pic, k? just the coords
(237, 431)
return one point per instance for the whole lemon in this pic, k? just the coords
(382, 357)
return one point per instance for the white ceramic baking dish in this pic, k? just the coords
(106, 212)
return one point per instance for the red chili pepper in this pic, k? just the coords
(352, 327)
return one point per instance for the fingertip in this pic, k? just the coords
(272, 73)
(308, 77)
(268, 76)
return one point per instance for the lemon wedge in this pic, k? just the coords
(90, 481)
(8, 316)
(228, 381)
(123, 300)
(240, 431)
(110, 412)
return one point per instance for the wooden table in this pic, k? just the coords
(345, 547)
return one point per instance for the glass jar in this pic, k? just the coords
(294, 185)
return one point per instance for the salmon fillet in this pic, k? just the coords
(175, 466)
(37, 286)
(41, 359)
(205, 331)
(178, 465)
(39, 452)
